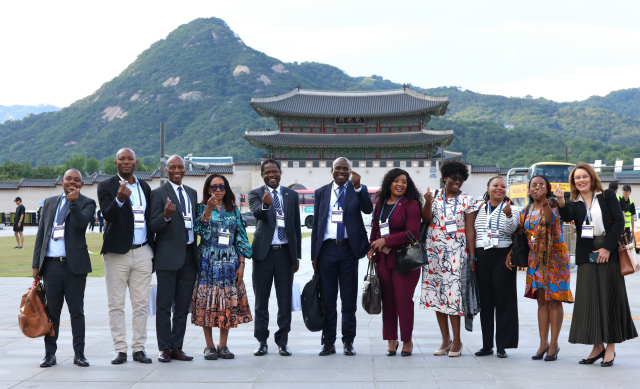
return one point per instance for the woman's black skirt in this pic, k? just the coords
(601, 312)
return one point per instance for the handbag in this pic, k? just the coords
(626, 251)
(371, 295)
(411, 256)
(312, 307)
(153, 295)
(520, 246)
(33, 318)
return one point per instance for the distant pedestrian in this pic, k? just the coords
(614, 186)
(18, 223)
(628, 209)
(93, 223)
(100, 219)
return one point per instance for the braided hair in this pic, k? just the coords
(486, 196)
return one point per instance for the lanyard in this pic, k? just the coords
(390, 213)
(222, 221)
(139, 196)
(340, 193)
(278, 210)
(188, 202)
(588, 215)
(444, 200)
(490, 218)
(62, 199)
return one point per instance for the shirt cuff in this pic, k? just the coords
(359, 189)
(119, 203)
(167, 220)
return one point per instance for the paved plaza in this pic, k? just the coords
(370, 368)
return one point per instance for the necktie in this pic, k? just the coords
(184, 209)
(63, 211)
(276, 201)
(341, 197)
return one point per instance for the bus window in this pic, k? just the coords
(309, 198)
(554, 173)
(300, 198)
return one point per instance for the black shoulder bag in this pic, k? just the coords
(411, 256)
(520, 246)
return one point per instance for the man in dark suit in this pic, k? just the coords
(338, 241)
(176, 259)
(276, 253)
(61, 258)
(100, 219)
(127, 252)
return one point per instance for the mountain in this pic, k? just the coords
(17, 112)
(200, 79)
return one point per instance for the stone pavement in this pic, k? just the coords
(370, 368)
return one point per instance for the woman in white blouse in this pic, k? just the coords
(495, 225)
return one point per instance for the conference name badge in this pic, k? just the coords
(138, 217)
(587, 232)
(280, 221)
(495, 239)
(187, 223)
(336, 216)
(58, 232)
(451, 226)
(223, 237)
(384, 230)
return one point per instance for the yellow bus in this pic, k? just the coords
(518, 179)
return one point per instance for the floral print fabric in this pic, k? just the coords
(217, 301)
(447, 253)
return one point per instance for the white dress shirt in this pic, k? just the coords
(137, 200)
(185, 212)
(276, 240)
(595, 215)
(332, 228)
(56, 247)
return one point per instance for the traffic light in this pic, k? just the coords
(242, 199)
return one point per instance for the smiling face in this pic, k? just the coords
(218, 194)
(175, 169)
(497, 189)
(341, 172)
(399, 186)
(582, 180)
(537, 184)
(126, 162)
(453, 184)
(271, 175)
(72, 180)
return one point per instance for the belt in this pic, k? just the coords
(444, 228)
(137, 246)
(337, 242)
(61, 259)
(277, 247)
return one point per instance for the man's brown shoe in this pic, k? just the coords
(180, 355)
(164, 356)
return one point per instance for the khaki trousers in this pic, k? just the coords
(132, 269)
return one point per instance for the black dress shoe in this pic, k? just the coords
(348, 349)
(591, 361)
(262, 349)
(48, 361)
(552, 357)
(391, 353)
(407, 353)
(119, 359)
(80, 360)
(285, 351)
(211, 354)
(484, 352)
(538, 357)
(502, 353)
(141, 356)
(164, 356)
(607, 364)
(180, 355)
(327, 349)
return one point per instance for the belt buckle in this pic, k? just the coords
(276, 247)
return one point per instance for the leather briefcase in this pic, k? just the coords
(371, 295)
(312, 307)
(34, 318)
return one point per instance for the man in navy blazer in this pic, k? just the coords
(338, 241)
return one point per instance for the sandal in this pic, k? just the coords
(210, 354)
(224, 353)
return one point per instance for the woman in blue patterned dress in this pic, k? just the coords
(219, 296)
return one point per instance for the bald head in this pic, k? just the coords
(126, 164)
(175, 169)
(126, 150)
(72, 181)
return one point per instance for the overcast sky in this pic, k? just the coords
(60, 51)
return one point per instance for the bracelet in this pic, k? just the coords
(473, 259)
(242, 262)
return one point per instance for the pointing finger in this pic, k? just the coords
(428, 189)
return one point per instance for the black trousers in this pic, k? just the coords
(498, 293)
(175, 288)
(338, 268)
(61, 284)
(277, 267)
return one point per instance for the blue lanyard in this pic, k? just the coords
(278, 210)
(139, 196)
(444, 200)
(390, 213)
(588, 215)
(499, 214)
(187, 200)
(340, 193)
(62, 199)
(222, 221)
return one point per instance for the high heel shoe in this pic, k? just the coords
(456, 353)
(391, 353)
(607, 364)
(443, 351)
(538, 357)
(552, 357)
(591, 361)
(407, 353)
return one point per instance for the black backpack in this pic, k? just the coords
(312, 307)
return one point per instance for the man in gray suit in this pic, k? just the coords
(276, 253)
(173, 210)
(61, 258)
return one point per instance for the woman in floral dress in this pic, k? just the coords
(219, 296)
(548, 274)
(450, 247)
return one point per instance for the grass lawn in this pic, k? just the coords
(17, 263)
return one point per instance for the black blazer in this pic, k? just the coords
(354, 204)
(170, 238)
(614, 226)
(266, 223)
(118, 234)
(76, 221)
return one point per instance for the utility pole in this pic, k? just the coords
(162, 161)
(566, 154)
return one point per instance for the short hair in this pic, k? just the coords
(339, 158)
(596, 184)
(612, 185)
(451, 168)
(266, 161)
(626, 187)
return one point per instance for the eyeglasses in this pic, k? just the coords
(216, 187)
(540, 185)
(456, 178)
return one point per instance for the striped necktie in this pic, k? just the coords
(276, 201)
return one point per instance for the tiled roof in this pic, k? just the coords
(607, 177)
(38, 183)
(504, 170)
(361, 140)
(482, 169)
(245, 163)
(195, 172)
(303, 102)
(221, 169)
(9, 184)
